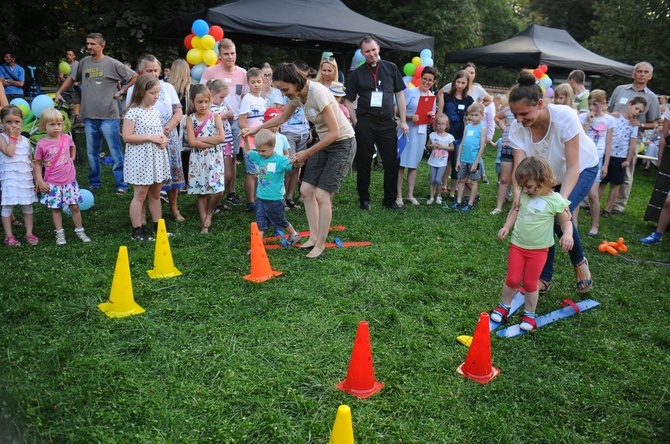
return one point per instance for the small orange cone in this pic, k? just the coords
(260, 264)
(163, 263)
(343, 431)
(121, 301)
(477, 365)
(360, 380)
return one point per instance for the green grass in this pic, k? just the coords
(218, 359)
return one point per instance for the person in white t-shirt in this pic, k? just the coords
(554, 133)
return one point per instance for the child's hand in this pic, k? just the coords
(42, 187)
(161, 141)
(502, 234)
(603, 172)
(473, 168)
(458, 165)
(566, 242)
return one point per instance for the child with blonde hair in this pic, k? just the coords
(16, 175)
(563, 95)
(59, 186)
(533, 222)
(470, 152)
(599, 126)
(270, 190)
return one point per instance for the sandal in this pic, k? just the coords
(584, 279)
(32, 240)
(502, 312)
(530, 321)
(177, 217)
(12, 241)
(496, 211)
(543, 286)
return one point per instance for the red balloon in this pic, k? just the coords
(187, 41)
(216, 32)
(418, 71)
(544, 68)
(537, 72)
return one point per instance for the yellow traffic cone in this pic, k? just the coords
(121, 302)
(163, 264)
(343, 431)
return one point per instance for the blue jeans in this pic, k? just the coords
(579, 192)
(95, 130)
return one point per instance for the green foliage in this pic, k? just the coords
(575, 16)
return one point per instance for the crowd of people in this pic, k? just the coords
(299, 127)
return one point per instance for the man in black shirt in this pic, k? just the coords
(375, 83)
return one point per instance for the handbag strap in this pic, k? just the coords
(200, 127)
(52, 165)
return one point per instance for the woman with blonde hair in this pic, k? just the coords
(327, 71)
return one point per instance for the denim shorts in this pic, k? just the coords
(270, 212)
(465, 172)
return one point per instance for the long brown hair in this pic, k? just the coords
(143, 84)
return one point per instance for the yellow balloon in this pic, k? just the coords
(416, 61)
(207, 41)
(209, 57)
(196, 42)
(194, 56)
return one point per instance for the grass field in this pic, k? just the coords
(218, 359)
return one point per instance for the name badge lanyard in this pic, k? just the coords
(374, 76)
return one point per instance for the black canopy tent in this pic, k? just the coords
(309, 24)
(539, 45)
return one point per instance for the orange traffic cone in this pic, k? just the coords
(260, 264)
(121, 301)
(343, 430)
(360, 380)
(477, 365)
(163, 263)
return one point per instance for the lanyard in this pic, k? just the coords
(374, 75)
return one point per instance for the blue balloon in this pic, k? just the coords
(40, 103)
(197, 70)
(88, 199)
(200, 28)
(426, 61)
(19, 101)
(426, 53)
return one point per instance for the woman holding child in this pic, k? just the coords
(554, 133)
(327, 161)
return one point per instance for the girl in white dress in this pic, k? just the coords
(146, 164)
(16, 175)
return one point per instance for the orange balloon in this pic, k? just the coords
(612, 251)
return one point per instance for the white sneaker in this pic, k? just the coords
(430, 201)
(398, 202)
(60, 238)
(82, 235)
(293, 239)
(438, 200)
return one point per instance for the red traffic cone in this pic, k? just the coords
(360, 380)
(261, 270)
(477, 365)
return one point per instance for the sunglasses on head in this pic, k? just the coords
(328, 59)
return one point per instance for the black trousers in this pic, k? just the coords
(371, 131)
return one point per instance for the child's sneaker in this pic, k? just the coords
(141, 234)
(293, 239)
(60, 237)
(467, 208)
(455, 206)
(438, 200)
(430, 201)
(528, 323)
(81, 234)
(652, 239)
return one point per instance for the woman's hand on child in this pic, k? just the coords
(245, 132)
(566, 242)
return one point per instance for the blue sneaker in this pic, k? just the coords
(652, 239)
(455, 206)
(467, 208)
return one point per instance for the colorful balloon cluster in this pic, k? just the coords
(414, 69)
(544, 80)
(203, 50)
(34, 109)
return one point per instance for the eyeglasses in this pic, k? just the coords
(267, 76)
